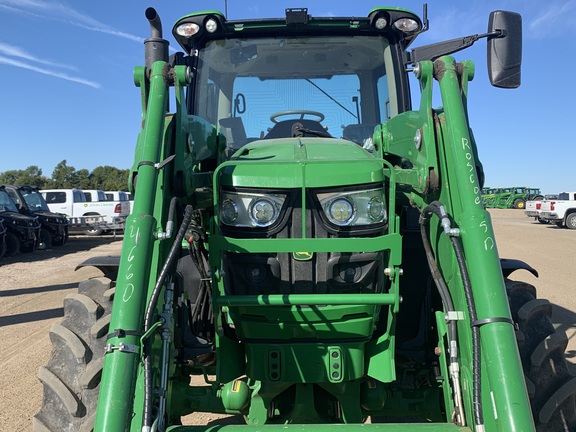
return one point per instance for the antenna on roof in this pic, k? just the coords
(425, 23)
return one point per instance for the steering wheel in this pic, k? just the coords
(319, 116)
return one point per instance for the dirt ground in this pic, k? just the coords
(33, 286)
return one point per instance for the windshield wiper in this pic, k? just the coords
(331, 98)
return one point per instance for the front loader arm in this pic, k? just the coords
(505, 407)
(117, 389)
(443, 146)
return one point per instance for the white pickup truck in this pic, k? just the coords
(123, 197)
(561, 211)
(89, 210)
(534, 207)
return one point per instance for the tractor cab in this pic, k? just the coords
(292, 78)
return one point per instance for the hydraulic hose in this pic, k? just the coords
(476, 358)
(446, 298)
(201, 314)
(438, 209)
(170, 223)
(150, 312)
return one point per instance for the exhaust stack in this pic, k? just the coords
(155, 48)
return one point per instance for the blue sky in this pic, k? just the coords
(68, 93)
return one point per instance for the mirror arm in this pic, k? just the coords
(433, 51)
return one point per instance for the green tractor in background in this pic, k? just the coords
(306, 251)
(516, 197)
(512, 197)
(489, 196)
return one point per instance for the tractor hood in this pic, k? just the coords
(287, 163)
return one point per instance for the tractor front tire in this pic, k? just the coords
(550, 384)
(519, 204)
(72, 376)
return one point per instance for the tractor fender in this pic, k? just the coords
(511, 265)
(106, 264)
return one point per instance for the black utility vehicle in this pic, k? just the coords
(30, 202)
(22, 232)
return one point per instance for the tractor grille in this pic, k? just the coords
(302, 273)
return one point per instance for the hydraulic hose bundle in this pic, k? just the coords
(438, 209)
(173, 255)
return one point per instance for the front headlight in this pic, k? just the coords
(353, 208)
(250, 210)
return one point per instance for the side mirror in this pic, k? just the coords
(505, 50)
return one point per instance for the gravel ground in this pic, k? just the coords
(33, 286)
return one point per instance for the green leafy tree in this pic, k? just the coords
(29, 176)
(84, 180)
(109, 178)
(64, 176)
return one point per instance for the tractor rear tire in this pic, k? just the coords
(72, 376)
(550, 384)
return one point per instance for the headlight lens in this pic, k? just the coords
(188, 29)
(364, 207)
(229, 212)
(211, 25)
(340, 211)
(406, 25)
(263, 211)
(250, 210)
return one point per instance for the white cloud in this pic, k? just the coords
(555, 19)
(14, 51)
(57, 11)
(64, 76)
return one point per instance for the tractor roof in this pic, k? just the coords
(396, 23)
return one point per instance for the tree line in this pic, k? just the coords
(67, 177)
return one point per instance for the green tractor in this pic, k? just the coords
(306, 251)
(489, 196)
(515, 197)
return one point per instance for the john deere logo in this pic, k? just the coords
(302, 256)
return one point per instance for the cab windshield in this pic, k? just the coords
(333, 86)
